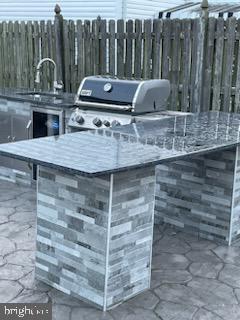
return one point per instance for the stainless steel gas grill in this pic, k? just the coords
(103, 101)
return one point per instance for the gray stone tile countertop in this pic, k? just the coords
(123, 148)
(62, 100)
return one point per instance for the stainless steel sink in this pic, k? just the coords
(39, 94)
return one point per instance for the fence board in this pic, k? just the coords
(80, 52)
(167, 24)
(157, 48)
(72, 68)
(207, 90)
(229, 64)
(66, 56)
(129, 48)
(30, 62)
(103, 47)
(186, 64)
(175, 66)
(1, 57)
(237, 86)
(112, 48)
(96, 46)
(87, 47)
(4, 53)
(218, 64)
(120, 48)
(138, 49)
(147, 49)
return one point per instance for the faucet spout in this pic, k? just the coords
(55, 83)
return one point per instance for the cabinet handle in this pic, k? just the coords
(28, 128)
(13, 138)
(9, 138)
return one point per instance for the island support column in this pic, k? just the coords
(94, 235)
(201, 195)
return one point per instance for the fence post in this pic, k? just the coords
(58, 26)
(200, 58)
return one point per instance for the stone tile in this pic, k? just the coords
(226, 312)
(171, 244)
(146, 300)
(202, 314)
(170, 261)
(6, 246)
(60, 312)
(29, 195)
(157, 233)
(202, 256)
(237, 293)
(159, 277)
(205, 269)
(24, 217)
(10, 194)
(20, 203)
(230, 275)
(3, 219)
(90, 314)
(201, 244)
(198, 292)
(5, 212)
(228, 254)
(212, 291)
(9, 290)
(57, 297)
(13, 272)
(22, 258)
(123, 312)
(2, 262)
(29, 282)
(10, 229)
(25, 240)
(180, 294)
(173, 311)
(31, 296)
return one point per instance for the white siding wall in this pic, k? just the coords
(71, 9)
(148, 8)
(87, 9)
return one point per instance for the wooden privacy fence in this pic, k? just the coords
(200, 57)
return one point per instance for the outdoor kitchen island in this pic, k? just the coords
(96, 197)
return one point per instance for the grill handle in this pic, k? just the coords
(103, 105)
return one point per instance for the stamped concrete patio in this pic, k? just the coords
(191, 278)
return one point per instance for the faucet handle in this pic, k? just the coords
(58, 85)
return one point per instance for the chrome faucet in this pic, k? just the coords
(56, 85)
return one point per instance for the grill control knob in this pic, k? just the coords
(106, 123)
(79, 119)
(97, 122)
(115, 123)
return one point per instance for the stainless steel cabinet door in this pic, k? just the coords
(19, 127)
(5, 127)
(19, 132)
(5, 136)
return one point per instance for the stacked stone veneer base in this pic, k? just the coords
(94, 235)
(201, 195)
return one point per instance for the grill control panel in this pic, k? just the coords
(89, 119)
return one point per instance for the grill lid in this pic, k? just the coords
(109, 91)
(114, 93)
